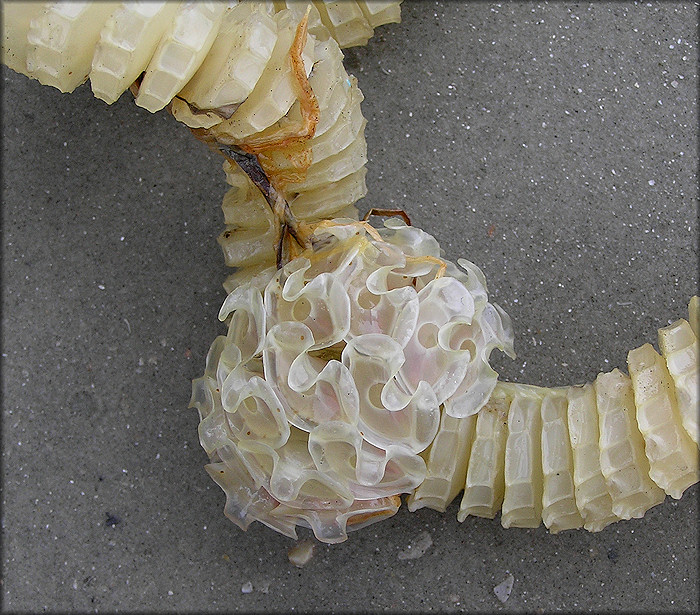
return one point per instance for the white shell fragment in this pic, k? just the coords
(301, 553)
(418, 547)
(504, 588)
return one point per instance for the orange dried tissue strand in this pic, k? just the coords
(388, 213)
(369, 229)
(308, 105)
(430, 259)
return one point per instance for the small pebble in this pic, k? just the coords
(301, 554)
(246, 588)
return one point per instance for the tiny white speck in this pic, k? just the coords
(652, 182)
(101, 286)
(170, 592)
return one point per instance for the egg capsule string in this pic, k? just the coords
(279, 154)
(287, 223)
(250, 154)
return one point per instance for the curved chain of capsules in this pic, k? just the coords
(262, 78)
(580, 456)
(62, 44)
(316, 406)
(328, 187)
(342, 383)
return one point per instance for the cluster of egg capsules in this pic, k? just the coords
(334, 374)
(359, 372)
